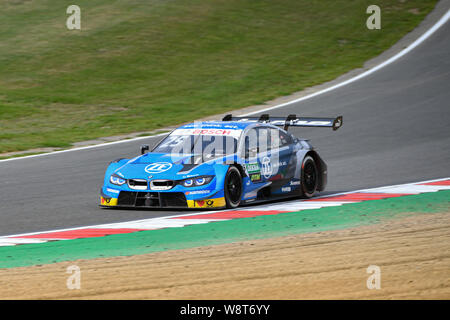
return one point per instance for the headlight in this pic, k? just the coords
(188, 182)
(115, 179)
(198, 181)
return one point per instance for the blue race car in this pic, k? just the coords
(220, 164)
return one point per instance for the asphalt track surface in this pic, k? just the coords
(396, 130)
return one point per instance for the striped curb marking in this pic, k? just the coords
(213, 216)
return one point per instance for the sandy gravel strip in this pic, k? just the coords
(413, 254)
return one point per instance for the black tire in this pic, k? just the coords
(233, 187)
(309, 177)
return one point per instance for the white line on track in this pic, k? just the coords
(421, 39)
(84, 148)
(417, 42)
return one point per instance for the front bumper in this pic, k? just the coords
(144, 199)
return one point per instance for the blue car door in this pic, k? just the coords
(268, 152)
(273, 153)
(279, 155)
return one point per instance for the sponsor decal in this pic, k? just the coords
(188, 175)
(276, 165)
(295, 183)
(200, 203)
(200, 125)
(108, 201)
(253, 168)
(112, 190)
(158, 167)
(208, 203)
(212, 132)
(313, 123)
(197, 192)
(286, 189)
(205, 203)
(255, 177)
(208, 132)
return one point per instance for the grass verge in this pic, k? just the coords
(142, 65)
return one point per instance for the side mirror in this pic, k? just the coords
(144, 148)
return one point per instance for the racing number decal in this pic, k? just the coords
(267, 168)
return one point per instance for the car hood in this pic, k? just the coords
(164, 166)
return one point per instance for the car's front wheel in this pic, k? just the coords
(309, 177)
(233, 187)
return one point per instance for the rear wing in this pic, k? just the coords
(291, 121)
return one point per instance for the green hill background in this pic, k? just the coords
(139, 65)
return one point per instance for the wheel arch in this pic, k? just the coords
(240, 167)
(321, 167)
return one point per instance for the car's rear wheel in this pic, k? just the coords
(233, 187)
(309, 177)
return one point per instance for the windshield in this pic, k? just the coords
(214, 145)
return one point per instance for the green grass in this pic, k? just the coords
(142, 65)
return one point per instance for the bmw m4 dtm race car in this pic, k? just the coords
(220, 164)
